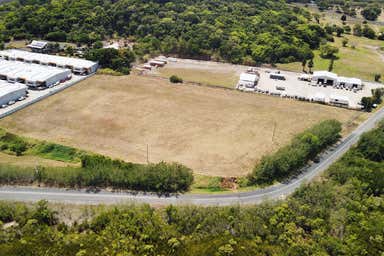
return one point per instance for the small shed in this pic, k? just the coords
(247, 80)
(156, 63)
(38, 46)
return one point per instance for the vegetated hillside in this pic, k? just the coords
(329, 3)
(239, 31)
(342, 214)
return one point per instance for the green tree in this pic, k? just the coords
(371, 12)
(328, 51)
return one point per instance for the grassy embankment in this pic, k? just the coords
(94, 171)
(360, 58)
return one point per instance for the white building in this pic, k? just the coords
(77, 66)
(339, 100)
(11, 92)
(32, 75)
(247, 81)
(38, 46)
(332, 79)
(349, 83)
(324, 78)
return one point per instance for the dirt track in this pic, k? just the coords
(213, 131)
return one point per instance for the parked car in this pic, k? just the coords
(21, 98)
(11, 102)
(4, 106)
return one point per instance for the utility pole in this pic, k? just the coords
(147, 154)
(274, 131)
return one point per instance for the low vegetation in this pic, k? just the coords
(175, 79)
(290, 159)
(18, 145)
(341, 214)
(102, 172)
(95, 170)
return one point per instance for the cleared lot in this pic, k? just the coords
(213, 131)
(203, 72)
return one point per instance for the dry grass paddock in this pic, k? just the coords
(213, 131)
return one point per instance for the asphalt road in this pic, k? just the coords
(279, 191)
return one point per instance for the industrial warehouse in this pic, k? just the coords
(32, 75)
(22, 70)
(10, 93)
(77, 66)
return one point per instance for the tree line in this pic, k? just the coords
(340, 214)
(289, 160)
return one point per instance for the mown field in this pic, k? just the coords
(213, 131)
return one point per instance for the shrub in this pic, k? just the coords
(290, 159)
(175, 79)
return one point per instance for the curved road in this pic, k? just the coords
(274, 192)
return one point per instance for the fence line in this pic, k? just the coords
(51, 92)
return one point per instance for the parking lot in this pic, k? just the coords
(227, 75)
(37, 95)
(294, 88)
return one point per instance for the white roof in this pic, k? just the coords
(246, 77)
(29, 72)
(305, 76)
(319, 95)
(349, 80)
(339, 97)
(45, 58)
(157, 62)
(114, 45)
(6, 88)
(37, 44)
(324, 73)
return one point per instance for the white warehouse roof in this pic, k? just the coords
(324, 74)
(246, 77)
(6, 88)
(30, 72)
(348, 80)
(45, 58)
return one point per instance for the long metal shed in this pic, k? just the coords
(77, 66)
(11, 92)
(32, 75)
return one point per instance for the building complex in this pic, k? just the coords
(77, 66)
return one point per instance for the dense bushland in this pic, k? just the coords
(240, 31)
(289, 160)
(341, 214)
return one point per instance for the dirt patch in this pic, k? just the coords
(203, 72)
(214, 131)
